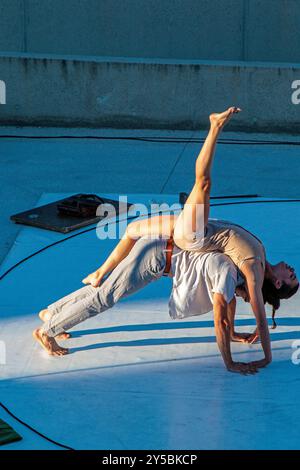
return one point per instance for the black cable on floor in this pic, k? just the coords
(63, 446)
(270, 201)
(34, 430)
(43, 249)
(2, 276)
(158, 139)
(77, 235)
(255, 202)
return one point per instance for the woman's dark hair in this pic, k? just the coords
(273, 296)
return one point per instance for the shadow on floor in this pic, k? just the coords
(290, 335)
(178, 325)
(145, 342)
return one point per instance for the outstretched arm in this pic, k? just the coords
(222, 327)
(254, 275)
(234, 335)
(158, 226)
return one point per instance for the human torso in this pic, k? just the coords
(232, 240)
(196, 276)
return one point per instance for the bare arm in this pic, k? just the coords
(254, 275)
(231, 308)
(222, 328)
(234, 335)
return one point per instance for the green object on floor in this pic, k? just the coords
(7, 434)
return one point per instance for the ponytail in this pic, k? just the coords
(272, 296)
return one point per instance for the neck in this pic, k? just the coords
(269, 271)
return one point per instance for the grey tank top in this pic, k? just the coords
(234, 241)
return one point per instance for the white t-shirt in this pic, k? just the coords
(196, 277)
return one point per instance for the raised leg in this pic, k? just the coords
(193, 219)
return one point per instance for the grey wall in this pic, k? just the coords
(58, 59)
(256, 30)
(161, 94)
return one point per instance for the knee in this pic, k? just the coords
(102, 300)
(203, 183)
(182, 243)
(183, 237)
(133, 230)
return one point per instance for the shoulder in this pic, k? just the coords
(220, 266)
(222, 262)
(253, 270)
(252, 265)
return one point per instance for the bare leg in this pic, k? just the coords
(120, 252)
(199, 197)
(164, 225)
(158, 226)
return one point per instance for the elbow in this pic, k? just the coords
(180, 237)
(220, 310)
(221, 317)
(221, 323)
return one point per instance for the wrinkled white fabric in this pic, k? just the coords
(196, 277)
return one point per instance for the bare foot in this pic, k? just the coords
(220, 119)
(63, 335)
(49, 343)
(94, 279)
(44, 315)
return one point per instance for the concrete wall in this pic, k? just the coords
(150, 93)
(144, 63)
(259, 30)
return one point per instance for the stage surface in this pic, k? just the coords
(135, 378)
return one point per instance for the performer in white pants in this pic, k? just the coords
(201, 282)
(191, 231)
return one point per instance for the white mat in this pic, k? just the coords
(135, 379)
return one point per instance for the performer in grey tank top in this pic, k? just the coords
(194, 232)
(201, 282)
